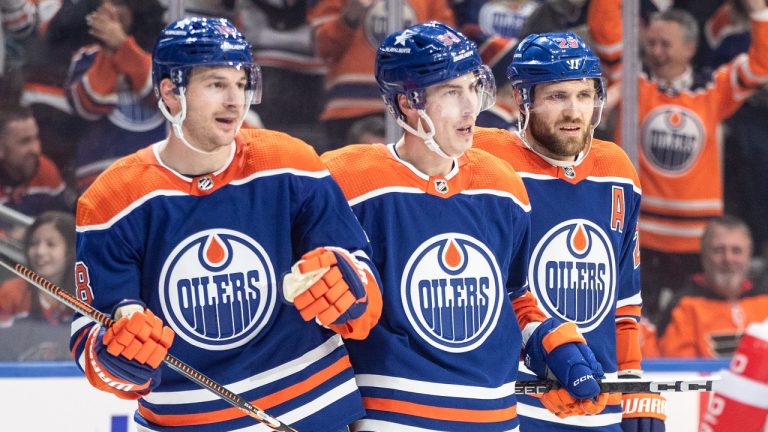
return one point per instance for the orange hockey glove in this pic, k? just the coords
(327, 284)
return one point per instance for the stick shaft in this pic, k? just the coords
(622, 386)
(174, 363)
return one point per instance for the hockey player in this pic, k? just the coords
(585, 199)
(449, 229)
(195, 231)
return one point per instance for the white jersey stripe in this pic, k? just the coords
(250, 383)
(435, 389)
(368, 425)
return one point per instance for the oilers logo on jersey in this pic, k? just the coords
(673, 138)
(217, 289)
(573, 273)
(452, 292)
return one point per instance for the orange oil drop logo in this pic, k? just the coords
(579, 240)
(214, 250)
(452, 255)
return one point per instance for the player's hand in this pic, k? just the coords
(556, 349)
(327, 284)
(129, 353)
(642, 412)
(562, 404)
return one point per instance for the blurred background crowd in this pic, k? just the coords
(76, 94)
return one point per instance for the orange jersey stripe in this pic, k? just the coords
(141, 174)
(440, 413)
(605, 158)
(265, 403)
(361, 169)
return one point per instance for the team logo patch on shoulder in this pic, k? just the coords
(217, 289)
(452, 292)
(573, 273)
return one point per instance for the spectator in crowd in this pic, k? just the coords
(505, 18)
(368, 130)
(292, 70)
(110, 85)
(29, 182)
(346, 35)
(679, 115)
(18, 19)
(49, 246)
(728, 35)
(556, 15)
(496, 52)
(710, 313)
(61, 32)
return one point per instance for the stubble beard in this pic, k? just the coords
(563, 147)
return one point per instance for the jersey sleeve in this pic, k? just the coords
(323, 218)
(737, 80)
(605, 27)
(107, 271)
(629, 302)
(95, 74)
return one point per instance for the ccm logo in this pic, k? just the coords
(581, 380)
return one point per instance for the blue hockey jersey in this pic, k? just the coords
(206, 255)
(452, 251)
(585, 260)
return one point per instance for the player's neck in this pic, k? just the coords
(412, 149)
(181, 159)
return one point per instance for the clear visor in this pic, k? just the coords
(486, 87)
(219, 84)
(582, 105)
(474, 90)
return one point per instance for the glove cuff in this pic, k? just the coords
(562, 334)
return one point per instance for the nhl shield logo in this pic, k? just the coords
(452, 292)
(217, 289)
(205, 183)
(441, 185)
(573, 273)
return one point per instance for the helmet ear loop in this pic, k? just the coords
(522, 124)
(177, 120)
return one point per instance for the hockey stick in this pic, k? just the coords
(624, 386)
(172, 362)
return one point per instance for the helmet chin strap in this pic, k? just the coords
(428, 137)
(554, 162)
(178, 119)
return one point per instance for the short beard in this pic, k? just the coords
(545, 136)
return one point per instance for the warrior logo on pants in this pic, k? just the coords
(452, 292)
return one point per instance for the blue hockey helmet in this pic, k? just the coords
(194, 42)
(550, 57)
(409, 61)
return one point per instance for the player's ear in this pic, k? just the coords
(405, 105)
(518, 98)
(169, 95)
